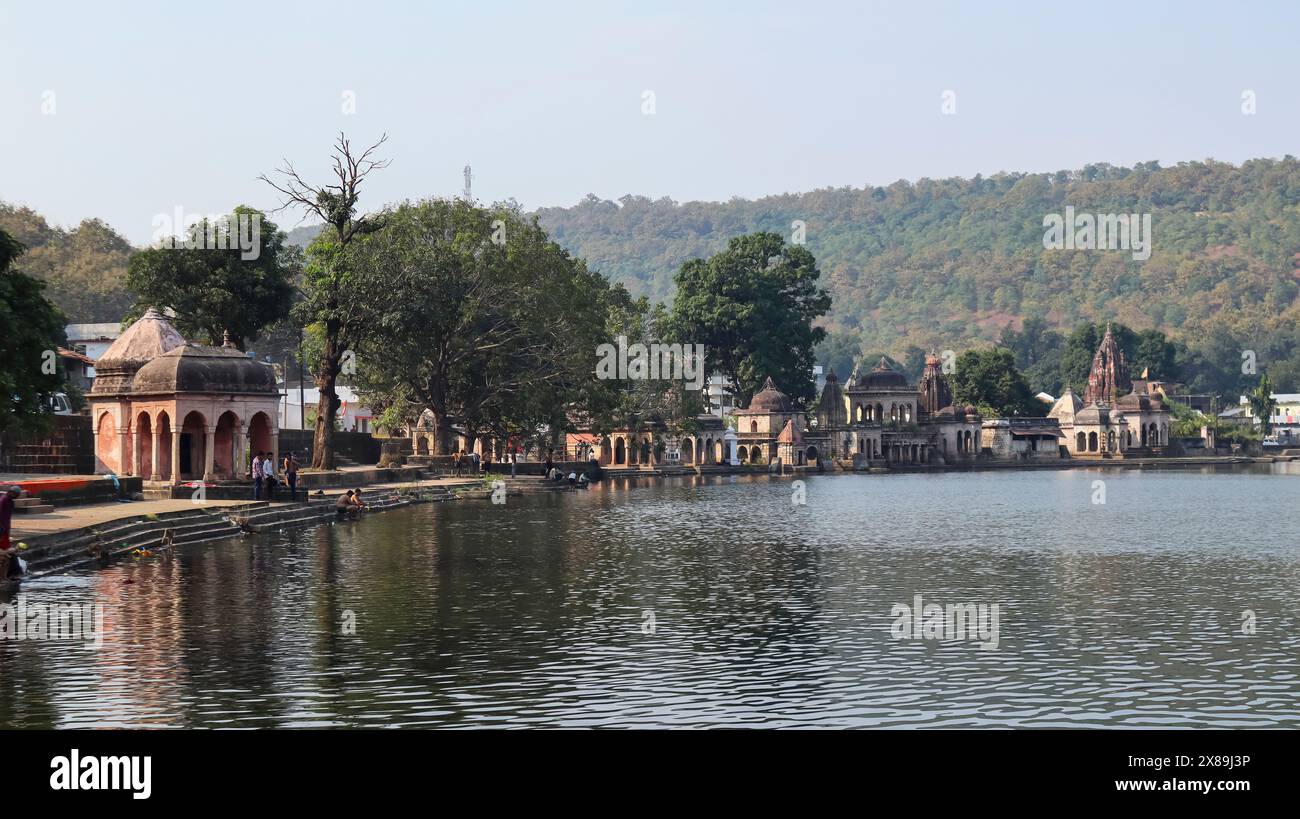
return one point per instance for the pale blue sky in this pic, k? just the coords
(165, 104)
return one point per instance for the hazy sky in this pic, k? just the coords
(167, 104)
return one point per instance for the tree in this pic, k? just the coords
(31, 331)
(752, 306)
(84, 269)
(989, 379)
(1262, 404)
(838, 352)
(475, 315)
(219, 290)
(329, 284)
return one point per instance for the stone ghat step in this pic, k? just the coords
(63, 551)
(32, 506)
(45, 449)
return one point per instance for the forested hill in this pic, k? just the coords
(933, 262)
(952, 261)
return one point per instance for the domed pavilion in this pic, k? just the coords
(170, 411)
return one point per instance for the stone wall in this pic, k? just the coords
(358, 447)
(67, 449)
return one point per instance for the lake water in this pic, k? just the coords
(710, 602)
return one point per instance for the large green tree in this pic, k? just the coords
(219, 290)
(989, 380)
(330, 285)
(752, 306)
(473, 314)
(31, 331)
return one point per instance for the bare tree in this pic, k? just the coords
(324, 301)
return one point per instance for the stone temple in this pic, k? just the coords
(169, 411)
(1113, 420)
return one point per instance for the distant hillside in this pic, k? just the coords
(952, 261)
(935, 262)
(84, 268)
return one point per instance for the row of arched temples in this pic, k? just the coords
(174, 441)
(1122, 439)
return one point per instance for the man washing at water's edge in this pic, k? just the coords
(9, 565)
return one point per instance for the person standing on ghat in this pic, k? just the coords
(291, 475)
(257, 476)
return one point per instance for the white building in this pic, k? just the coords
(92, 340)
(352, 416)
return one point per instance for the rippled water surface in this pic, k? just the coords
(709, 602)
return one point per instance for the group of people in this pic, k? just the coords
(349, 504)
(263, 474)
(473, 462)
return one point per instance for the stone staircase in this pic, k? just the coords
(27, 504)
(50, 459)
(101, 544)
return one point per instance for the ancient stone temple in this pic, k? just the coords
(934, 389)
(169, 411)
(1113, 420)
(1109, 378)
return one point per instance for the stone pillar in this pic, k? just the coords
(155, 445)
(176, 457)
(209, 451)
(123, 453)
(275, 449)
(241, 450)
(137, 452)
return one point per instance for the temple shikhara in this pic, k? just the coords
(170, 411)
(1116, 417)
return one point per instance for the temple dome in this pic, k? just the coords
(883, 376)
(196, 368)
(148, 337)
(1141, 403)
(1093, 414)
(769, 399)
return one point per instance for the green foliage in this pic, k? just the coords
(838, 352)
(217, 290)
(988, 378)
(1262, 404)
(752, 306)
(474, 314)
(84, 269)
(31, 330)
(949, 262)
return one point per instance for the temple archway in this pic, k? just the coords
(1081, 442)
(144, 446)
(106, 443)
(194, 434)
(688, 452)
(165, 447)
(224, 445)
(620, 453)
(1092, 442)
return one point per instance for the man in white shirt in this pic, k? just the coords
(257, 476)
(268, 475)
